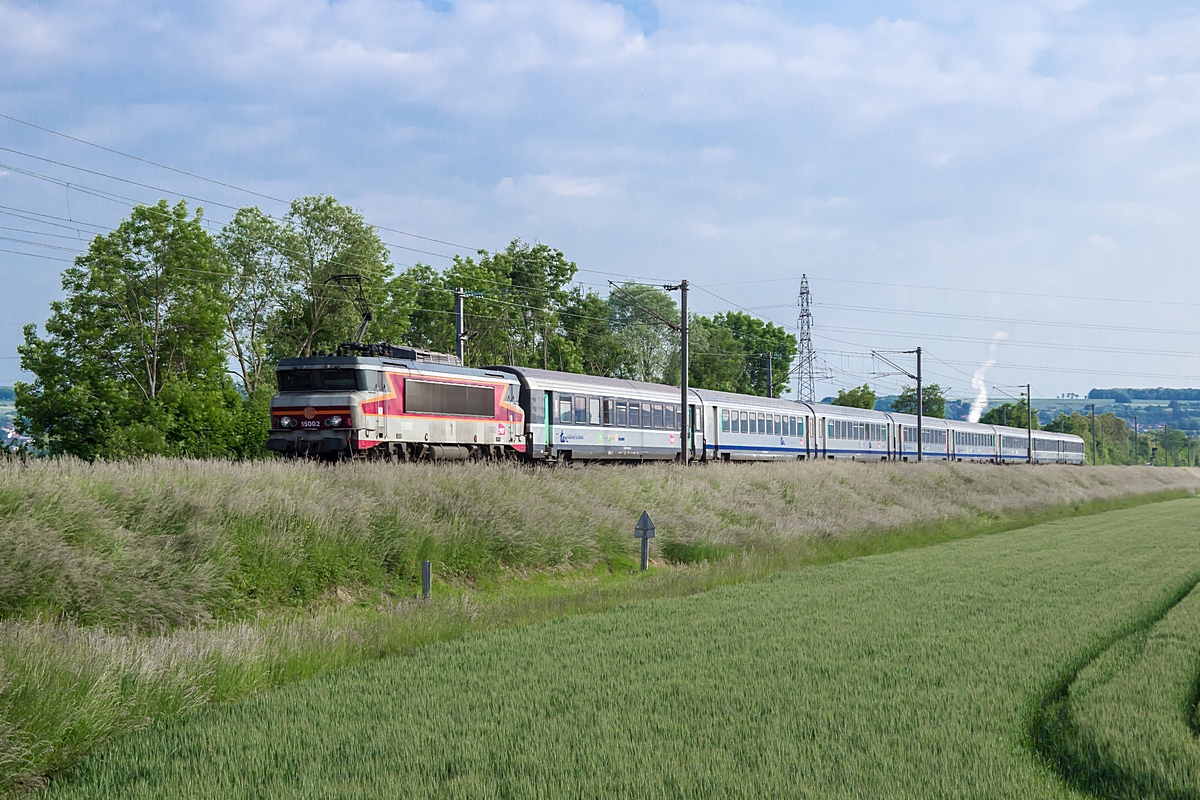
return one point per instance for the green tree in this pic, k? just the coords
(320, 238)
(760, 341)
(860, 397)
(716, 359)
(933, 401)
(588, 330)
(250, 247)
(513, 310)
(132, 361)
(731, 352)
(1011, 414)
(651, 347)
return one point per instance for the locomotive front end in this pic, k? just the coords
(318, 411)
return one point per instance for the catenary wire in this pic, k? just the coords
(210, 180)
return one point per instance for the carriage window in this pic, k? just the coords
(770, 425)
(646, 420)
(594, 410)
(669, 417)
(564, 409)
(609, 415)
(800, 427)
(622, 414)
(635, 414)
(580, 410)
(657, 410)
(724, 420)
(745, 424)
(754, 423)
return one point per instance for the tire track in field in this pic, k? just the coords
(1083, 763)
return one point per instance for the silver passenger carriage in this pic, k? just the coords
(737, 427)
(586, 418)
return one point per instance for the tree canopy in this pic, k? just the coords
(1014, 415)
(132, 362)
(860, 397)
(933, 401)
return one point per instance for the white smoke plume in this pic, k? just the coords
(977, 380)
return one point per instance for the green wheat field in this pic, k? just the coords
(1060, 660)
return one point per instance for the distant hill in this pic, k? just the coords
(1129, 395)
(6, 395)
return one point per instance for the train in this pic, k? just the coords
(408, 404)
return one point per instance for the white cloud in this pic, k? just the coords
(941, 140)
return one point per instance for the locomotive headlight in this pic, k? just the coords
(335, 421)
(286, 422)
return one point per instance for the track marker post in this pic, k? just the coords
(644, 530)
(426, 579)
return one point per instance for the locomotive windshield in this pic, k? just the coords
(326, 380)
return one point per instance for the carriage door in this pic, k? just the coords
(822, 445)
(691, 429)
(547, 410)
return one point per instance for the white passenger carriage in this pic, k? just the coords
(585, 418)
(737, 427)
(857, 434)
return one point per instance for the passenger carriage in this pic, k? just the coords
(736, 427)
(587, 418)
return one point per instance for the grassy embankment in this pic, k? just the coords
(139, 592)
(917, 674)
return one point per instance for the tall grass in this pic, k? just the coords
(164, 543)
(906, 675)
(137, 592)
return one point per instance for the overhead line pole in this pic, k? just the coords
(685, 422)
(1094, 461)
(920, 413)
(1028, 423)
(459, 335)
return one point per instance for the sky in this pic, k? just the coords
(941, 172)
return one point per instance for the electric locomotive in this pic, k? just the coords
(395, 403)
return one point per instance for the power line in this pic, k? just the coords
(894, 285)
(1008, 320)
(208, 180)
(1041, 368)
(1018, 342)
(35, 255)
(30, 216)
(161, 190)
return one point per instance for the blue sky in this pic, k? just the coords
(1017, 150)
